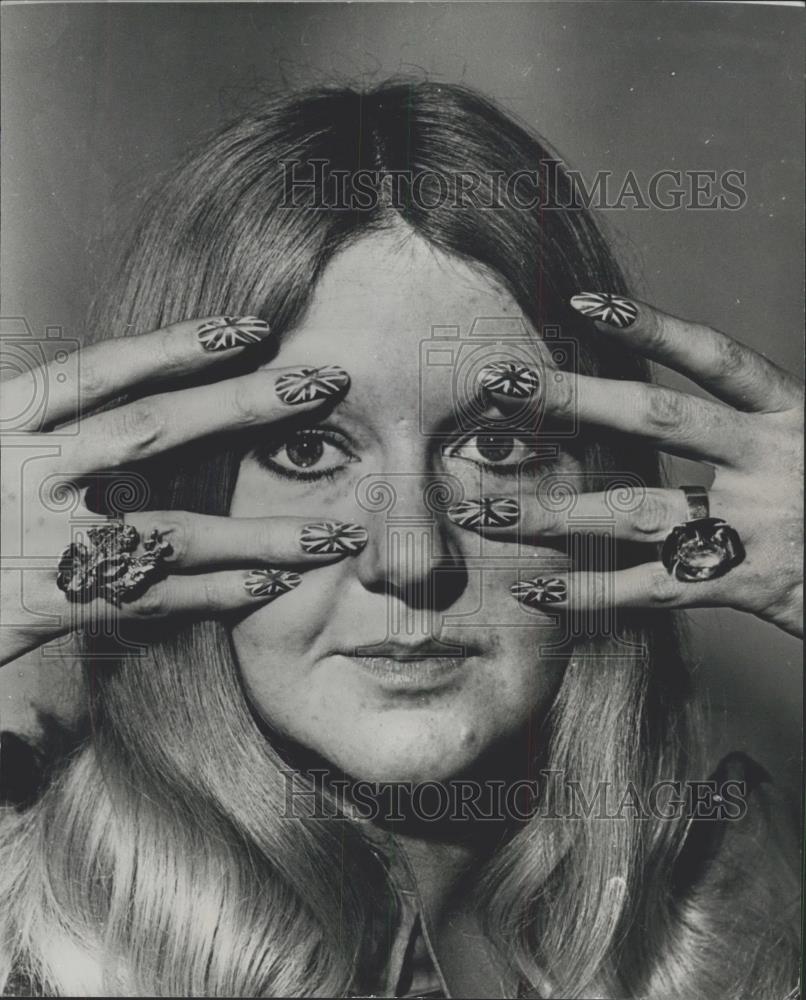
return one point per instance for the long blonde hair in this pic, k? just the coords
(158, 861)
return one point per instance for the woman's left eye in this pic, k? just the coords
(502, 453)
(306, 454)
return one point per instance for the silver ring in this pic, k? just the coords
(107, 566)
(704, 547)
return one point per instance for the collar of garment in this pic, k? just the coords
(438, 948)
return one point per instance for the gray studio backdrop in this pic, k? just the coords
(98, 98)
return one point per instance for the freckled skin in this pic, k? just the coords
(374, 305)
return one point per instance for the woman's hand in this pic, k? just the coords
(752, 437)
(186, 563)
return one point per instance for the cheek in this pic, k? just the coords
(344, 719)
(271, 643)
(341, 716)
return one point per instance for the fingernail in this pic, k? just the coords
(510, 379)
(271, 582)
(540, 591)
(611, 309)
(489, 512)
(225, 332)
(327, 537)
(308, 384)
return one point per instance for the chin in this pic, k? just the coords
(398, 748)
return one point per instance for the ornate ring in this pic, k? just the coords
(704, 547)
(107, 567)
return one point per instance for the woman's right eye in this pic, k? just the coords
(308, 454)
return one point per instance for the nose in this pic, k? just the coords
(410, 554)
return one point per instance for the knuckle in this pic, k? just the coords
(552, 521)
(548, 516)
(664, 590)
(263, 538)
(653, 330)
(794, 599)
(171, 352)
(782, 428)
(242, 404)
(652, 516)
(141, 425)
(210, 595)
(563, 394)
(94, 383)
(666, 411)
(601, 590)
(154, 603)
(732, 358)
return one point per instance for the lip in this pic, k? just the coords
(412, 672)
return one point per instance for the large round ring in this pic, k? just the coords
(704, 547)
(107, 566)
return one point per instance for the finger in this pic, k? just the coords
(646, 586)
(203, 541)
(92, 376)
(511, 381)
(129, 568)
(734, 373)
(630, 514)
(676, 422)
(154, 424)
(200, 595)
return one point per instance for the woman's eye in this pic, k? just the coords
(306, 454)
(501, 453)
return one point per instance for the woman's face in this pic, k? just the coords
(421, 584)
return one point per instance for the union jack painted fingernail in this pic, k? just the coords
(271, 583)
(611, 309)
(222, 333)
(540, 591)
(509, 379)
(329, 537)
(488, 512)
(306, 385)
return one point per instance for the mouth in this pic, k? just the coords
(422, 667)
